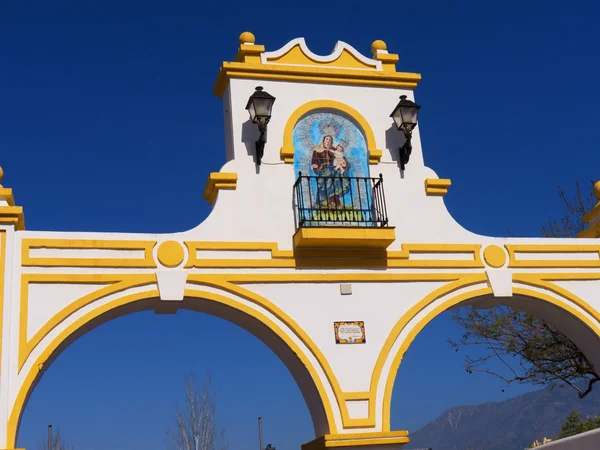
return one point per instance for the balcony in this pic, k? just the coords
(341, 212)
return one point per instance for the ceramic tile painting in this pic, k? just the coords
(331, 146)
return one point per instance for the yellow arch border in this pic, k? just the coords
(30, 378)
(533, 280)
(230, 283)
(2, 267)
(287, 151)
(107, 285)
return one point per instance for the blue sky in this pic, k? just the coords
(106, 111)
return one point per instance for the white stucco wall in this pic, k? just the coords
(295, 306)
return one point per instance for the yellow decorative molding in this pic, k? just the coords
(6, 194)
(11, 214)
(353, 77)
(380, 53)
(357, 440)
(147, 261)
(112, 284)
(334, 258)
(2, 269)
(530, 279)
(295, 56)
(494, 256)
(33, 372)
(514, 249)
(287, 151)
(170, 253)
(592, 214)
(216, 182)
(338, 237)
(592, 218)
(295, 62)
(437, 186)
(592, 231)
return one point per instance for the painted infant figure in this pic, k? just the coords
(339, 162)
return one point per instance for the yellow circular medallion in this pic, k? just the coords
(494, 256)
(170, 254)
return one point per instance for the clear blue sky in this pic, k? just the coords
(106, 111)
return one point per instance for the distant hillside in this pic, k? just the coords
(509, 425)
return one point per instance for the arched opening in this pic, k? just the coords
(206, 302)
(448, 400)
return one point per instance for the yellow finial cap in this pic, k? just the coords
(596, 187)
(378, 45)
(247, 38)
(1, 175)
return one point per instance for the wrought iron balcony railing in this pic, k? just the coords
(340, 201)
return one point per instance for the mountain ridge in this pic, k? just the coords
(511, 424)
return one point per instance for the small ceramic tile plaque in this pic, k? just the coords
(350, 332)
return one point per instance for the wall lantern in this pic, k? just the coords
(259, 107)
(405, 116)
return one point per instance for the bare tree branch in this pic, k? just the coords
(57, 443)
(545, 355)
(196, 427)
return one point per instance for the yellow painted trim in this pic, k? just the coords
(313, 74)
(6, 194)
(513, 249)
(249, 53)
(338, 237)
(529, 279)
(216, 182)
(494, 256)
(12, 215)
(2, 285)
(287, 151)
(540, 281)
(31, 261)
(114, 284)
(296, 57)
(388, 61)
(592, 231)
(357, 440)
(333, 258)
(437, 186)
(377, 434)
(170, 254)
(592, 214)
(30, 378)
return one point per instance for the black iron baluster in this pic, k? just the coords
(364, 205)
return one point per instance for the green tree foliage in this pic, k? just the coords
(530, 349)
(575, 424)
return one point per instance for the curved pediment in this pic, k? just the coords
(344, 56)
(295, 62)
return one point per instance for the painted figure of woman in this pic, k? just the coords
(336, 184)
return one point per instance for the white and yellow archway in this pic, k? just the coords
(298, 288)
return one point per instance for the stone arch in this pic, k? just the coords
(564, 310)
(287, 150)
(204, 298)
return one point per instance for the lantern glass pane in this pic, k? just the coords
(252, 111)
(397, 116)
(409, 115)
(262, 106)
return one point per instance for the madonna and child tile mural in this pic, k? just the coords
(330, 153)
